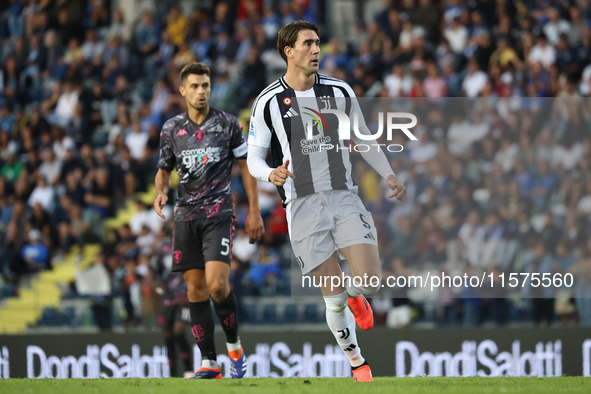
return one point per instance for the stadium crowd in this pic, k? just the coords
(503, 184)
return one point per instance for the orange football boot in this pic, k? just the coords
(361, 310)
(362, 374)
(207, 373)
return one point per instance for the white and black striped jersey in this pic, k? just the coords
(278, 119)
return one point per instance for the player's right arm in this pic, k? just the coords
(258, 168)
(162, 182)
(259, 139)
(166, 164)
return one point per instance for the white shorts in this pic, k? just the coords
(322, 223)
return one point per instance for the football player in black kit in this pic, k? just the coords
(202, 143)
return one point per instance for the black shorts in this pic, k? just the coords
(197, 241)
(171, 314)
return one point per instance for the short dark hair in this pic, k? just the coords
(194, 68)
(288, 35)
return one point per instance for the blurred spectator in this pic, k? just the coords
(555, 26)
(118, 27)
(61, 143)
(203, 45)
(67, 26)
(11, 168)
(434, 85)
(475, 80)
(177, 26)
(99, 196)
(424, 151)
(35, 254)
(95, 282)
(51, 166)
(136, 141)
(542, 52)
(92, 47)
(147, 35)
(243, 250)
(336, 58)
(456, 35)
(42, 194)
(264, 272)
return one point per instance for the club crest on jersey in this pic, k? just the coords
(326, 101)
(199, 135)
(177, 256)
(287, 101)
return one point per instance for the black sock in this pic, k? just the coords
(354, 368)
(226, 311)
(185, 351)
(171, 350)
(202, 326)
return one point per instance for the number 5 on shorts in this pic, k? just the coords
(226, 243)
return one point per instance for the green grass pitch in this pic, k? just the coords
(300, 385)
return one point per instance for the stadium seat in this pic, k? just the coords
(7, 290)
(284, 286)
(116, 318)
(290, 314)
(270, 314)
(311, 314)
(69, 317)
(250, 313)
(50, 317)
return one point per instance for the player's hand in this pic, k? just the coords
(279, 175)
(159, 203)
(398, 189)
(254, 227)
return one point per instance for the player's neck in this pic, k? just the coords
(198, 116)
(299, 81)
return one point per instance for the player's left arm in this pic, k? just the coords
(377, 160)
(254, 222)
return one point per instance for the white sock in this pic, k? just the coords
(210, 364)
(233, 346)
(341, 323)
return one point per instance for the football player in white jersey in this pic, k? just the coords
(325, 214)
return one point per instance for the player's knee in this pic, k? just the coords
(371, 289)
(218, 289)
(373, 285)
(196, 292)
